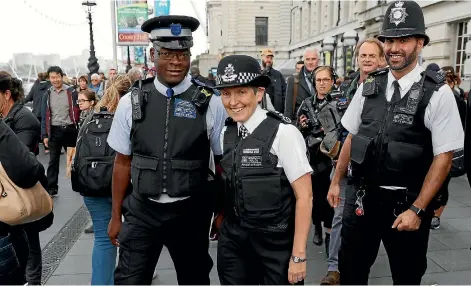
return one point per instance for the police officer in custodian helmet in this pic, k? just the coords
(162, 132)
(268, 184)
(404, 126)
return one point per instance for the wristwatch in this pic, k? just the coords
(419, 212)
(298, 259)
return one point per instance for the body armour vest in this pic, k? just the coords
(258, 194)
(393, 147)
(170, 145)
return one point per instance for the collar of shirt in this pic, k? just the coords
(254, 121)
(64, 87)
(178, 89)
(406, 82)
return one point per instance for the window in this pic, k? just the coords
(261, 31)
(462, 39)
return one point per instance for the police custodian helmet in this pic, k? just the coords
(403, 19)
(240, 70)
(172, 32)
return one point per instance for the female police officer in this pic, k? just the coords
(264, 233)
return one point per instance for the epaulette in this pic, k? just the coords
(436, 77)
(144, 81)
(370, 87)
(204, 88)
(279, 116)
(228, 121)
(138, 99)
(202, 95)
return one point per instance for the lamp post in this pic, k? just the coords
(349, 40)
(93, 65)
(128, 67)
(328, 46)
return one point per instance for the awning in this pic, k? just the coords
(287, 67)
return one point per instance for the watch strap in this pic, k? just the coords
(420, 212)
(297, 259)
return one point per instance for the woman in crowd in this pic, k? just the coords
(86, 101)
(104, 253)
(20, 250)
(82, 83)
(324, 83)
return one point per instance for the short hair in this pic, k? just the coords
(134, 72)
(95, 76)
(300, 63)
(310, 49)
(55, 69)
(90, 95)
(83, 77)
(371, 41)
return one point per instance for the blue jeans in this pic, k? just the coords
(335, 238)
(104, 253)
(13, 257)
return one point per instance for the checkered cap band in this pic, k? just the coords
(242, 78)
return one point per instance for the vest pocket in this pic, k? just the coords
(145, 176)
(187, 177)
(403, 156)
(262, 196)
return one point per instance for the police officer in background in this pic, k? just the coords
(268, 184)
(404, 126)
(162, 132)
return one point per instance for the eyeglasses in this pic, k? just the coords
(323, 80)
(180, 56)
(79, 101)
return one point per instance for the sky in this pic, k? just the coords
(27, 29)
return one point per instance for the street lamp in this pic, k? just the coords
(349, 40)
(328, 46)
(93, 65)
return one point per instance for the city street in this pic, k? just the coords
(67, 250)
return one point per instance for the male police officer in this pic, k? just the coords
(404, 126)
(264, 233)
(162, 132)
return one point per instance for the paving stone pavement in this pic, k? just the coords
(449, 255)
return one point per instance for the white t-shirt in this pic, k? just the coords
(441, 115)
(288, 146)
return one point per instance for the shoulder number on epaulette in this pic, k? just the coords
(280, 116)
(379, 71)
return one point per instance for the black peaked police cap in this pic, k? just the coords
(403, 19)
(240, 70)
(172, 32)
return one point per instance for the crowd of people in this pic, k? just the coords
(248, 157)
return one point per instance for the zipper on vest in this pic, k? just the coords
(234, 182)
(164, 163)
(381, 138)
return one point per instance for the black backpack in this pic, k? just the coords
(92, 168)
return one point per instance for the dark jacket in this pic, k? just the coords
(467, 141)
(74, 110)
(21, 166)
(36, 96)
(303, 93)
(277, 89)
(25, 125)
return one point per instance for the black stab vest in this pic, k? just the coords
(258, 194)
(170, 146)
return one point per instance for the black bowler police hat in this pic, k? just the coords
(171, 31)
(240, 70)
(403, 19)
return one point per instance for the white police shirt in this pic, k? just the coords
(119, 137)
(288, 146)
(441, 115)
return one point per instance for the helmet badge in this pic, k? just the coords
(398, 13)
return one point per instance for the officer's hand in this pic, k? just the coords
(114, 227)
(333, 196)
(408, 221)
(302, 121)
(46, 142)
(296, 271)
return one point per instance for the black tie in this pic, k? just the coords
(243, 132)
(397, 92)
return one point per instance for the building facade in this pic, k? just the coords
(331, 26)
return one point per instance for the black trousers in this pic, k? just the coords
(61, 137)
(34, 267)
(321, 210)
(13, 257)
(362, 235)
(247, 257)
(183, 227)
